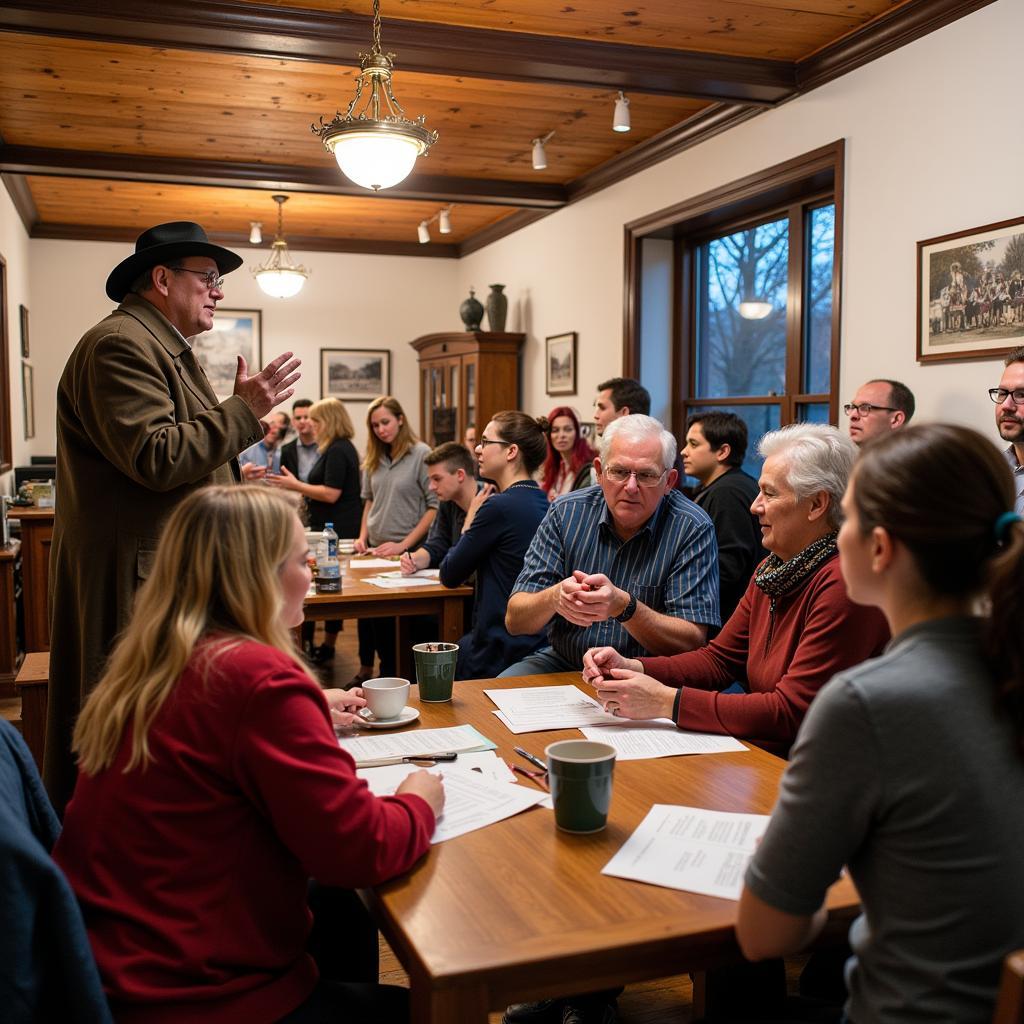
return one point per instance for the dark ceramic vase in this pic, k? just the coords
(471, 312)
(497, 308)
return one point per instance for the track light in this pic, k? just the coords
(444, 221)
(620, 122)
(423, 232)
(255, 232)
(540, 157)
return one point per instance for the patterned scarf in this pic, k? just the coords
(776, 577)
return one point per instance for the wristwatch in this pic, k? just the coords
(628, 612)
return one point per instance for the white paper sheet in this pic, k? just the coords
(391, 583)
(544, 708)
(372, 563)
(661, 737)
(690, 848)
(472, 800)
(419, 574)
(418, 741)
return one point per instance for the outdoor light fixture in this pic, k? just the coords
(754, 309)
(540, 157)
(279, 277)
(620, 122)
(423, 232)
(378, 145)
(255, 232)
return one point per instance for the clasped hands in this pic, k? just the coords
(623, 689)
(584, 599)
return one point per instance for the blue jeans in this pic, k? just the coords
(540, 663)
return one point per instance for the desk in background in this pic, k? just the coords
(520, 911)
(36, 538)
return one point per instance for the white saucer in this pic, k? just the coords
(367, 721)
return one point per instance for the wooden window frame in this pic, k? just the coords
(794, 189)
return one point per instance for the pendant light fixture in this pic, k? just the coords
(279, 277)
(376, 146)
(754, 308)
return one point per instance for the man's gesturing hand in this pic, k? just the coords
(271, 386)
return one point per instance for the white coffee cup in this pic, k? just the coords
(386, 697)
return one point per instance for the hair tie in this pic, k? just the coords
(1004, 522)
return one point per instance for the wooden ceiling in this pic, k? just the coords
(119, 114)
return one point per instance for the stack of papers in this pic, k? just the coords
(395, 580)
(473, 799)
(691, 849)
(546, 708)
(372, 563)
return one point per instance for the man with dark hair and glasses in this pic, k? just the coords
(879, 407)
(1009, 399)
(138, 429)
(631, 563)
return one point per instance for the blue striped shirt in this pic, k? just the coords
(670, 565)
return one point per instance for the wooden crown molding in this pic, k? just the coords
(337, 38)
(327, 179)
(21, 197)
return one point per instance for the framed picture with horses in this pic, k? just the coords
(970, 293)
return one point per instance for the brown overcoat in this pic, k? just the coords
(138, 429)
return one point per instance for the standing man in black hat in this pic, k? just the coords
(138, 428)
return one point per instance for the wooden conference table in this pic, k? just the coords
(361, 600)
(520, 911)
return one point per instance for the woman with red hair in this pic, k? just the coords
(568, 466)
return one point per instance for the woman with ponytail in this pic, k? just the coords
(909, 769)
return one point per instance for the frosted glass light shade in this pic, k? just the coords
(281, 283)
(376, 159)
(754, 310)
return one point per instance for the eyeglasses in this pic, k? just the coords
(866, 408)
(210, 277)
(1000, 395)
(644, 477)
(485, 441)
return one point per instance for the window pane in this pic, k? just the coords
(812, 412)
(821, 230)
(759, 420)
(739, 355)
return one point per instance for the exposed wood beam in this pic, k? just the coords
(332, 38)
(240, 242)
(69, 163)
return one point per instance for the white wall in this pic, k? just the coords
(931, 149)
(348, 302)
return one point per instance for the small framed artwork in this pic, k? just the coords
(355, 374)
(23, 313)
(970, 293)
(235, 332)
(560, 364)
(28, 400)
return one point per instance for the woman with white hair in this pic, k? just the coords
(794, 627)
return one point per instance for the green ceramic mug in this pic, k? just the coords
(435, 670)
(580, 779)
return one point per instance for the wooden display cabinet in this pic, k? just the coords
(465, 377)
(36, 537)
(10, 595)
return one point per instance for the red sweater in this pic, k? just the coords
(817, 632)
(192, 872)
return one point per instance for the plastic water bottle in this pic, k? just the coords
(328, 568)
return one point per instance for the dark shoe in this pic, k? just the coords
(547, 1011)
(357, 680)
(595, 1009)
(322, 653)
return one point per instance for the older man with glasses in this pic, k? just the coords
(1009, 399)
(138, 428)
(878, 408)
(630, 563)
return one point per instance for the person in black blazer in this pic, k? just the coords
(299, 455)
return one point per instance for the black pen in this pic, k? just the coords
(529, 757)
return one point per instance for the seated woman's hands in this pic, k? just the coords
(389, 549)
(361, 545)
(429, 787)
(631, 694)
(599, 661)
(344, 705)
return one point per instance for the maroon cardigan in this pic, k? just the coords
(817, 632)
(192, 873)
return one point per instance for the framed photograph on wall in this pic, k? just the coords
(355, 374)
(28, 400)
(23, 316)
(970, 293)
(235, 332)
(560, 364)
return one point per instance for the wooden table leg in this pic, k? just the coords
(403, 647)
(451, 619)
(448, 1005)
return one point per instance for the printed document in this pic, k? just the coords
(419, 741)
(544, 708)
(471, 799)
(691, 849)
(391, 582)
(372, 563)
(659, 738)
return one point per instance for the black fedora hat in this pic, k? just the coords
(163, 243)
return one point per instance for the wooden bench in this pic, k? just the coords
(32, 684)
